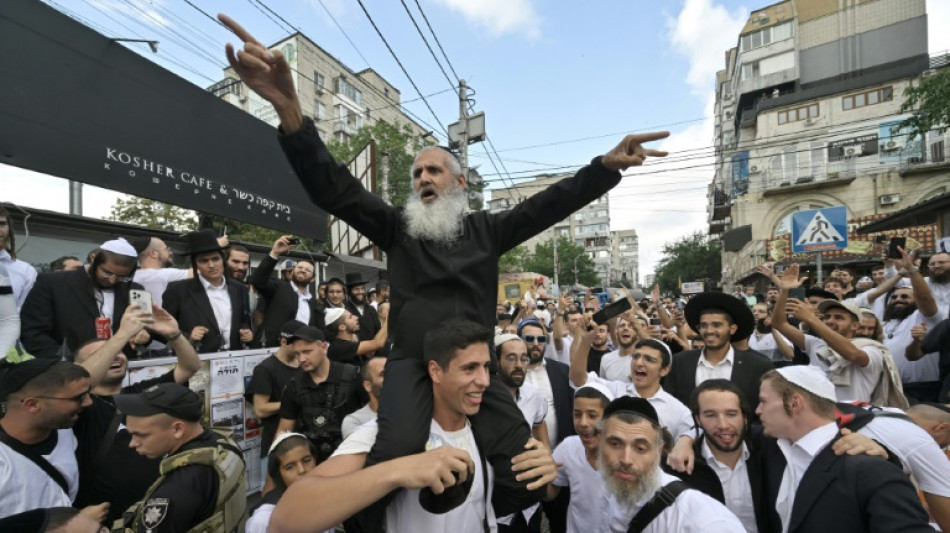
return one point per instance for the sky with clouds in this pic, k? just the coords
(559, 82)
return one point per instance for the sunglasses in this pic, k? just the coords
(532, 339)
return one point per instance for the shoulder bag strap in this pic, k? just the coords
(37, 459)
(660, 501)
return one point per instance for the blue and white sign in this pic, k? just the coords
(818, 230)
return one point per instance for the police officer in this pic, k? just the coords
(201, 487)
(316, 400)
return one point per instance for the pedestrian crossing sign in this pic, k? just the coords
(818, 230)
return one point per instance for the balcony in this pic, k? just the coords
(344, 126)
(934, 157)
(721, 204)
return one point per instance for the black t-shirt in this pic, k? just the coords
(593, 359)
(123, 476)
(269, 378)
(186, 497)
(343, 351)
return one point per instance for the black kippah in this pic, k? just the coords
(14, 375)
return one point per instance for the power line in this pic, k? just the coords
(437, 42)
(426, 41)
(398, 62)
(344, 33)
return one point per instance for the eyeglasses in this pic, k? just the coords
(108, 274)
(80, 398)
(511, 358)
(535, 339)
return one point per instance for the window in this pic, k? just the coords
(319, 81)
(319, 110)
(884, 94)
(765, 36)
(345, 88)
(799, 113)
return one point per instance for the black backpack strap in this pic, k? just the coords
(38, 459)
(657, 504)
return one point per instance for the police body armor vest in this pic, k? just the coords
(321, 415)
(228, 464)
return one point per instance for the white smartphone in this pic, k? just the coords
(141, 298)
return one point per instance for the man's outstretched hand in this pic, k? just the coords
(630, 152)
(266, 72)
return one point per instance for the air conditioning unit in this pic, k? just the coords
(318, 89)
(753, 169)
(854, 151)
(914, 160)
(242, 98)
(890, 199)
(891, 146)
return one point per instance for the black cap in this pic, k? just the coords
(169, 398)
(308, 334)
(630, 404)
(290, 327)
(13, 376)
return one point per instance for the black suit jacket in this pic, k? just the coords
(845, 494)
(704, 478)
(369, 320)
(188, 302)
(558, 375)
(62, 307)
(748, 367)
(282, 302)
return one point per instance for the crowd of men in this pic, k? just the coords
(423, 404)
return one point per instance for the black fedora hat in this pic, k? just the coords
(201, 241)
(736, 308)
(354, 279)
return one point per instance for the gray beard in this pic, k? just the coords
(440, 221)
(647, 483)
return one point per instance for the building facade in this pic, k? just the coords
(589, 227)
(805, 115)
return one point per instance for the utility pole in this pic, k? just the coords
(556, 284)
(463, 132)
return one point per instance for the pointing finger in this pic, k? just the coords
(647, 137)
(237, 29)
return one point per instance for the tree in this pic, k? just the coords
(397, 143)
(513, 260)
(542, 262)
(694, 257)
(930, 103)
(152, 214)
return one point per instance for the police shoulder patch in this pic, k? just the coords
(154, 511)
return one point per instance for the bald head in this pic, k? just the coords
(933, 420)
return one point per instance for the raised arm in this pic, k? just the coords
(843, 346)
(788, 280)
(580, 351)
(922, 293)
(165, 325)
(377, 342)
(97, 364)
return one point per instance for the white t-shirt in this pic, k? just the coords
(692, 512)
(588, 508)
(615, 367)
(156, 280)
(356, 419)
(33, 488)
(22, 276)
(405, 514)
(941, 293)
(917, 450)
(765, 344)
(674, 416)
(897, 337)
(564, 354)
(863, 379)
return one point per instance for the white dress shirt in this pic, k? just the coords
(221, 305)
(798, 457)
(538, 377)
(303, 304)
(722, 370)
(735, 486)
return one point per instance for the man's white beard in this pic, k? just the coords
(440, 221)
(630, 492)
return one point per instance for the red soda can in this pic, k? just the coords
(103, 328)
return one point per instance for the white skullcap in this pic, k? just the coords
(119, 246)
(505, 337)
(281, 437)
(599, 387)
(811, 379)
(903, 284)
(332, 314)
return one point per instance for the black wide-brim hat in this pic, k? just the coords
(736, 308)
(201, 241)
(354, 279)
